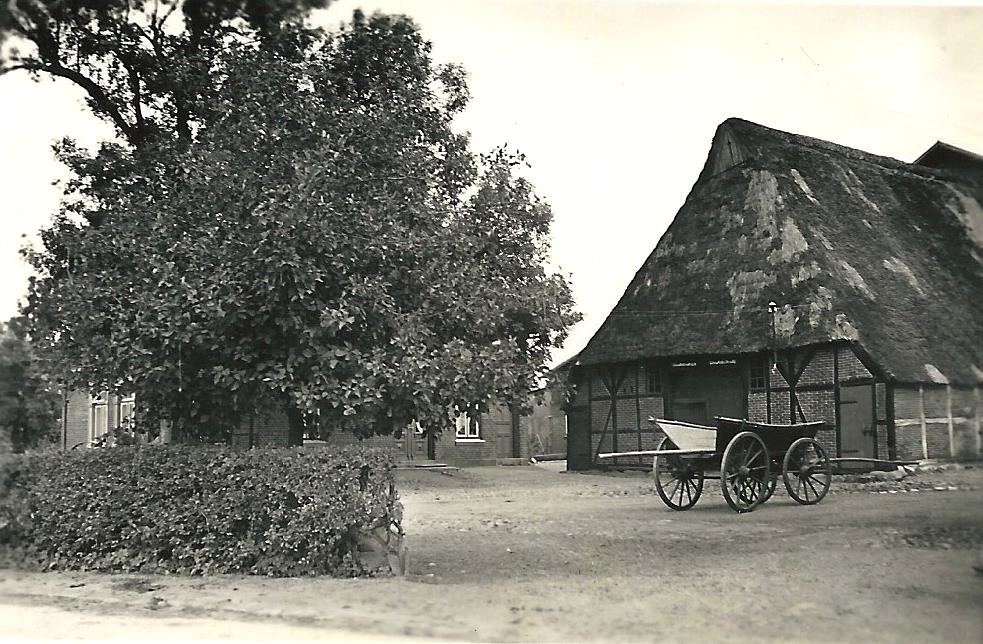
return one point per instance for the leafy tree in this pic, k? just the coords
(151, 67)
(28, 403)
(328, 242)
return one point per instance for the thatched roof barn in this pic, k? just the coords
(852, 246)
(857, 250)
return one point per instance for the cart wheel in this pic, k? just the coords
(745, 471)
(772, 484)
(806, 471)
(678, 480)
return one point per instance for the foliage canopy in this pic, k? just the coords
(325, 241)
(151, 67)
(28, 402)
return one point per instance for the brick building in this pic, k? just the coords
(498, 436)
(484, 439)
(876, 267)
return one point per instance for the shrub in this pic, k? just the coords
(193, 510)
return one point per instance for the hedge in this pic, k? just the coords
(194, 510)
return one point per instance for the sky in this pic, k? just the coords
(614, 104)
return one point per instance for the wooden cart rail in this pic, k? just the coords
(658, 452)
(691, 452)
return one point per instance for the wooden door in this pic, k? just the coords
(857, 429)
(501, 422)
(416, 445)
(700, 394)
(691, 411)
(578, 439)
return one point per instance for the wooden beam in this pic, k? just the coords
(590, 414)
(638, 404)
(921, 415)
(873, 420)
(768, 390)
(948, 414)
(892, 439)
(976, 421)
(941, 420)
(604, 432)
(657, 452)
(807, 357)
(868, 361)
(836, 397)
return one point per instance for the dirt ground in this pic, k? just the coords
(534, 554)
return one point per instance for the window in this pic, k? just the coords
(652, 384)
(466, 426)
(759, 380)
(127, 404)
(99, 416)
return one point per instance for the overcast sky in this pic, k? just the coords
(615, 104)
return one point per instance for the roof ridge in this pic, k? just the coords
(857, 154)
(943, 144)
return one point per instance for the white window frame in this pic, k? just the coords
(127, 409)
(467, 427)
(98, 402)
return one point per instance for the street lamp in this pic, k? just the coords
(773, 309)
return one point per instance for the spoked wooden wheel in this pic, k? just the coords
(678, 480)
(806, 471)
(772, 484)
(745, 472)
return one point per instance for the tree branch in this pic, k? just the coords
(99, 98)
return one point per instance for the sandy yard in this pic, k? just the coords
(533, 554)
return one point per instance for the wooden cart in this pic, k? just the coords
(749, 457)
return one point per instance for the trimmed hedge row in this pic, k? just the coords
(193, 510)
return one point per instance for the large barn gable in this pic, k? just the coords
(851, 245)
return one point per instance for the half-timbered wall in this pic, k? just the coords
(802, 387)
(900, 421)
(938, 421)
(611, 406)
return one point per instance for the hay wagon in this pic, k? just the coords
(748, 456)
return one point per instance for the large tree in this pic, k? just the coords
(28, 400)
(327, 242)
(150, 67)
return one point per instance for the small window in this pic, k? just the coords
(127, 405)
(651, 380)
(759, 380)
(99, 417)
(466, 426)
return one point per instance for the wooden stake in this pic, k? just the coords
(921, 417)
(948, 415)
(976, 420)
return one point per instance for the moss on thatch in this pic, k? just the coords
(852, 246)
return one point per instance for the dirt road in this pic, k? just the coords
(531, 554)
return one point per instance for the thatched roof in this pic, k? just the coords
(852, 246)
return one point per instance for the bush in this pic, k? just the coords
(277, 512)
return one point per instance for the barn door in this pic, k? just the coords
(578, 439)
(691, 411)
(857, 429)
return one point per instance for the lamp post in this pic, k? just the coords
(773, 309)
